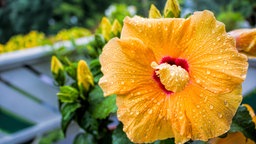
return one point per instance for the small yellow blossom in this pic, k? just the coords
(84, 75)
(153, 56)
(56, 65)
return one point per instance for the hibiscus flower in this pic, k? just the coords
(174, 77)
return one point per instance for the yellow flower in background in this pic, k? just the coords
(105, 28)
(174, 77)
(56, 65)
(236, 137)
(109, 30)
(84, 75)
(1, 48)
(72, 33)
(245, 40)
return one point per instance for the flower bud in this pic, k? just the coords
(154, 12)
(56, 65)
(105, 26)
(172, 9)
(84, 75)
(116, 28)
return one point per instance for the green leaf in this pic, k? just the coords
(89, 123)
(196, 142)
(84, 138)
(68, 112)
(101, 106)
(167, 141)
(250, 99)
(242, 122)
(68, 94)
(119, 136)
(71, 70)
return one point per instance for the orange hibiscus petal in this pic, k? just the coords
(123, 68)
(208, 114)
(214, 61)
(145, 113)
(245, 40)
(163, 36)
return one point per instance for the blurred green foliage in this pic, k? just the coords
(49, 17)
(232, 12)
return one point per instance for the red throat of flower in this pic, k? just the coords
(180, 75)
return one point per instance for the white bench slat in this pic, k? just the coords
(29, 82)
(31, 132)
(249, 84)
(2, 134)
(23, 106)
(43, 67)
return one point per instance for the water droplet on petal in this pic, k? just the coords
(220, 115)
(198, 81)
(218, 38)
(150, 111)
(211, 107)
(208, 72)
(198, 106)
(205, 99)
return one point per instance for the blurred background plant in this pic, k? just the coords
(49, 17)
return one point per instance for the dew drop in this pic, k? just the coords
(226, 103)
(193, 110)
(150, 111)
(181, 117)
(220, 115)
(122, 83)
(198, 81)
(198, 106)
(137, 113)
(208, 72)
(211, 107)
(205, 99)
(218, 38)
(165, 28)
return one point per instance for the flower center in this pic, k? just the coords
(171, 74)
